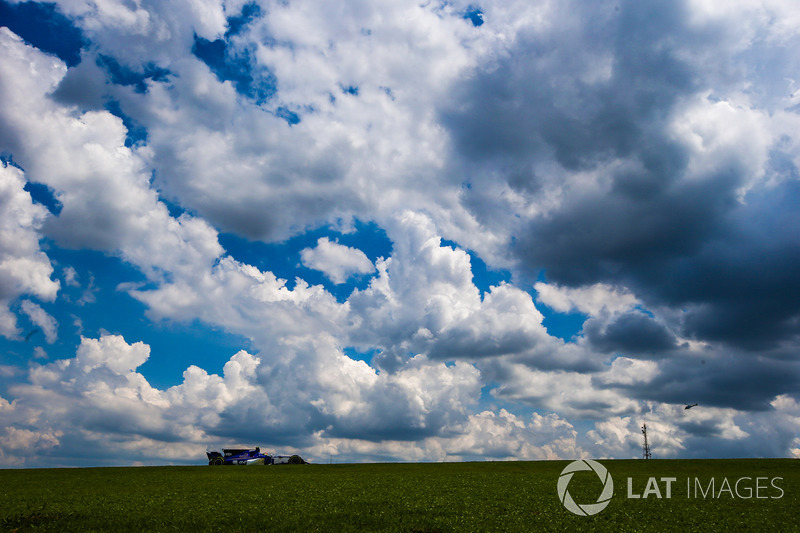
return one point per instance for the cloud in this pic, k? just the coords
(503, 435)
(569, 393)
(424, 300)
(635, 165)
(631, 333)
(24, 267)
(252, 172)
(39, 317)
(487, 435)
(100, 390)
(107, 202)
(99, 393)
(591, 300)
(641, 161)
(673, 432)
(71, 277)
(721, 379)
(113, 352)
(336, 261)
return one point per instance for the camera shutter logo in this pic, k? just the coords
(585, 509)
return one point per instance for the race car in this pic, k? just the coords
(241, 456)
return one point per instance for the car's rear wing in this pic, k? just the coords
(234, 451)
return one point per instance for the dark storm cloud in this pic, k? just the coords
(602, 237)
(631, 334)
(692, 244)
(732, 267)
(737, 380)
(744, 282)
(534, 100)
(519, 346)
(456, 343)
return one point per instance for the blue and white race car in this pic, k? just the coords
(240, 456)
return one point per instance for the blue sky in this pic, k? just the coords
(390, 231)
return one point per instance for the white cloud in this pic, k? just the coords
(420, 412)
(71, 277)
(423, 300)
(669, 431)
(625, 371)
(246, 170)
(245, 300)
(336, 261)
(572, 394)
(100, 390)
(102, 185)
(42, 319)
(113, 352)
(487, 435)
(592, 300)
(503, 435)
(24, 267)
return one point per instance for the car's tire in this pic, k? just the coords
(296, 460)
(217, 461)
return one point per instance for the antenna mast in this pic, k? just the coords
(646, 448)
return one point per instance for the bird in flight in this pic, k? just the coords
(690, 406)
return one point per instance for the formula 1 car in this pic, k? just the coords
(240, 456)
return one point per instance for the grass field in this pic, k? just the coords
(508, 496)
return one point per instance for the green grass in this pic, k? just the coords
(516, 496)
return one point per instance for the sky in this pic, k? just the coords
(398, 231)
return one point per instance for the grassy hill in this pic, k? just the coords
(507, 496)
